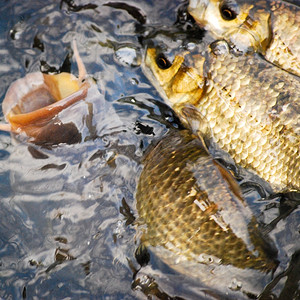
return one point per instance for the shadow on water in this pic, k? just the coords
(67, 212)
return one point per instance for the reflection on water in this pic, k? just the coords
(67, 212)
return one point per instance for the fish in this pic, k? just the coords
(249, 107)
(32, 104)
(193, 215)
(269, 27)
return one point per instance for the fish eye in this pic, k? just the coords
(227, 12)
(162, 62)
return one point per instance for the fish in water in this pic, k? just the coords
(195, 214)
(270, 27)
(32, 104)
(251, 107)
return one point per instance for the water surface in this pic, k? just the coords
(65, 228)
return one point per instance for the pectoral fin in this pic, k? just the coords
(198, 125)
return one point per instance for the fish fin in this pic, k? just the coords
(81, 68)
(198, 124)
(5, 127)
(232, 183)
(142, 255)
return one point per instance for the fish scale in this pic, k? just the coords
(252, 111)
(284, 49)
(192, 209)
(266, 126)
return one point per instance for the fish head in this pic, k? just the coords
(243, 24)
(38, 90)
(32, 103)
(177, 83)
(61, 85)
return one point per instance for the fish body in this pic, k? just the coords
(251, 107)
(194, 212)
(266, 26)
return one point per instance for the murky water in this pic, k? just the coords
(66, 212)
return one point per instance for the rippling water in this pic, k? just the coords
(66, 211)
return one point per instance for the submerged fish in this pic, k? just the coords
(195, 215)
(270, 27)
(251, 107)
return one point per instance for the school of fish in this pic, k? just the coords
(241, 92)
(250, 106)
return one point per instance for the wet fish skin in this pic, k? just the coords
(193, 207)
(270, 27)
(251, 107)
(34, 105)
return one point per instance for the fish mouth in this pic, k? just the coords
(43, 115)
(245, 39)
(39, 93)
(254, 32)
(36, 99)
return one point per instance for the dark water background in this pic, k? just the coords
(65, 229)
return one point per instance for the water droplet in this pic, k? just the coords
(119, 229)
(134, 81)
(191, 46)
(235, 285)
(219, 47)
(128, 56)
(14, 34)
